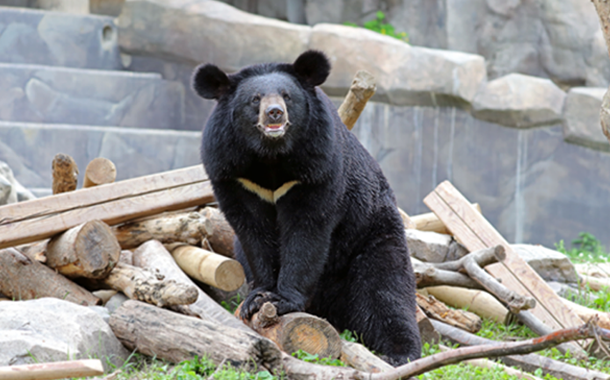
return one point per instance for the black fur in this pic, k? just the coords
(334, 244)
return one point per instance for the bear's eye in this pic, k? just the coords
(286, 96)
(256, 99)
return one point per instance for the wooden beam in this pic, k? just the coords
(114, 203)
(475, 233)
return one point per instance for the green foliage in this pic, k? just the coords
(587, 249)
(349, 336)
(309, 358)
(380, 25)
(232, 304)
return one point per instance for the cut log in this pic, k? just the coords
(472, 230)
(362, 88)
(406, 219)
(359, 357)
(459, 318)
(296, 331)
(170, 336)
(208, 267)
(529, 363)
(427, 332)
(51, 371)
(142, 285)
(188, 227)
(24, 279)
(427, 275)
(430, 222)
(65, 174)
(479, 302)
(115, 203)
(100, 171)
(219, 232)
(594, 283)
(153, 256)
(587, 314)
(89, 250)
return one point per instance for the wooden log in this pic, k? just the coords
(296, 331)
(115, 203)
(65, 174)
(24, 279)
(475, 233)
(51, 371)
(89, 250)
(99, 171)
(153, 256)
(594, 283)
(430, 222)
(479, 302)
(427, 275)
(362, 88)
(427, 332)
(601, 270)
(481, 257)
(219, 232)
(359, 357)
(529, 362)
(174, 337)
(104, 295)
(142, 285)
(459, 318)
(189, 227)
(406, 219)
(208, 267)
(586, 314)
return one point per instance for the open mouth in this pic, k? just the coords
(274, 130)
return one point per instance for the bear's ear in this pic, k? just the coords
(210, 82)
(312, 67)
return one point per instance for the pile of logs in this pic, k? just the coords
(161, 241)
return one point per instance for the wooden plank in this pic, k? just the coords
(50, 371)
(148, 196)
(104, 193)
(476, 232)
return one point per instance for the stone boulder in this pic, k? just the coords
(207, 31)
(520, 101)
(49, 329)
(549, 264)
(11, 191)
(433, 247)
(406, 75)
(582, 117)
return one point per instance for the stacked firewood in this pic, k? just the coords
(161, 241)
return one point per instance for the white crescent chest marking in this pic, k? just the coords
(266, 194)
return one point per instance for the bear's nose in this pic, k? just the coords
(275, 112)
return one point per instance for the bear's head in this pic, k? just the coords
(269, 101)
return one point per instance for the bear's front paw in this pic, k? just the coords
(254, 301)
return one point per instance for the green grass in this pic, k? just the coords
(588, 249)
(380, 25)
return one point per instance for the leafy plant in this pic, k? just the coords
(232, 304)
(309, 358)
(587, 249)
(380, 25)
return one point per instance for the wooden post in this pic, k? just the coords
(89, 250)
(65, 174)
(208, 267)
(99, 171)
(24, 279)
(362, 88)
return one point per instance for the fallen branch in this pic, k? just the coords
(482, 258)
(362, 88)
(459, 318)
(594, 283)
(427, 275)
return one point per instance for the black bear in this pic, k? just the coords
(316, 223)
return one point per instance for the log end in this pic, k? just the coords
(229, 275)
(310, 334)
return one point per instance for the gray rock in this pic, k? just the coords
(431, 247)
(406, 75)
(115, 302)
(549, 264)
(102, 312)
(207, 31)
(58, 39)
(582, 117)
(67, 6)
(11, 190)
(47, 94)
(520, 101)
(135, 152)
(49, 329)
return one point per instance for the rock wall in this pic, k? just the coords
(531, 154)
